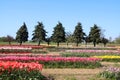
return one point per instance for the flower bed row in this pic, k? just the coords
(109, 58)
(7, 51)
(8, 65)
(58, 62)
(86, 54)
(20, 71)
(15, 47)
(22, 51)
(30, 55)
(39, 58)
(23, 46)
(94, 51)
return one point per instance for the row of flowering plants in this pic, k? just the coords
(58, 62)
(109, 58)
(4, 49)
(15, 47)
(94, 51)
(22, 51)
(111, 73)
(15, 51)
(86, 54)
(30, 55)
(89, 53)
(13, 70)
(23, 46)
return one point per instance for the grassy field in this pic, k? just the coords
(62, 44)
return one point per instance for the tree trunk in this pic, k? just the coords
(57, 44)
(67, 44)
(77, 44)
(104, 44)
(48, 43)
(39, 43)
(9, 42)
(94, 43)
(86, 44)
(20, 43)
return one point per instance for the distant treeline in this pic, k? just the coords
(59, 35)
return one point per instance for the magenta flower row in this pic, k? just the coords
(48, 59)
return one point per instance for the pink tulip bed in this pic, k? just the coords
(24, 49)
(21, 47)
(89, 53)
(4, 49)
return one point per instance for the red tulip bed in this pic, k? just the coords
(13, 70)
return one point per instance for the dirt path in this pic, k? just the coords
(70, 71)
(65, 74)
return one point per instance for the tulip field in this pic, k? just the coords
(31, 62)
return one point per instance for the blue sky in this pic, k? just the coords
(104, 13)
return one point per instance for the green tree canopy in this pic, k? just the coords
(69, 37)
(39, 33)
(117, 40)
(104, 41)
(78, 34)
(86, 39)
(58, 33)
(95, 34)
(7, 38)
(22, 34)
